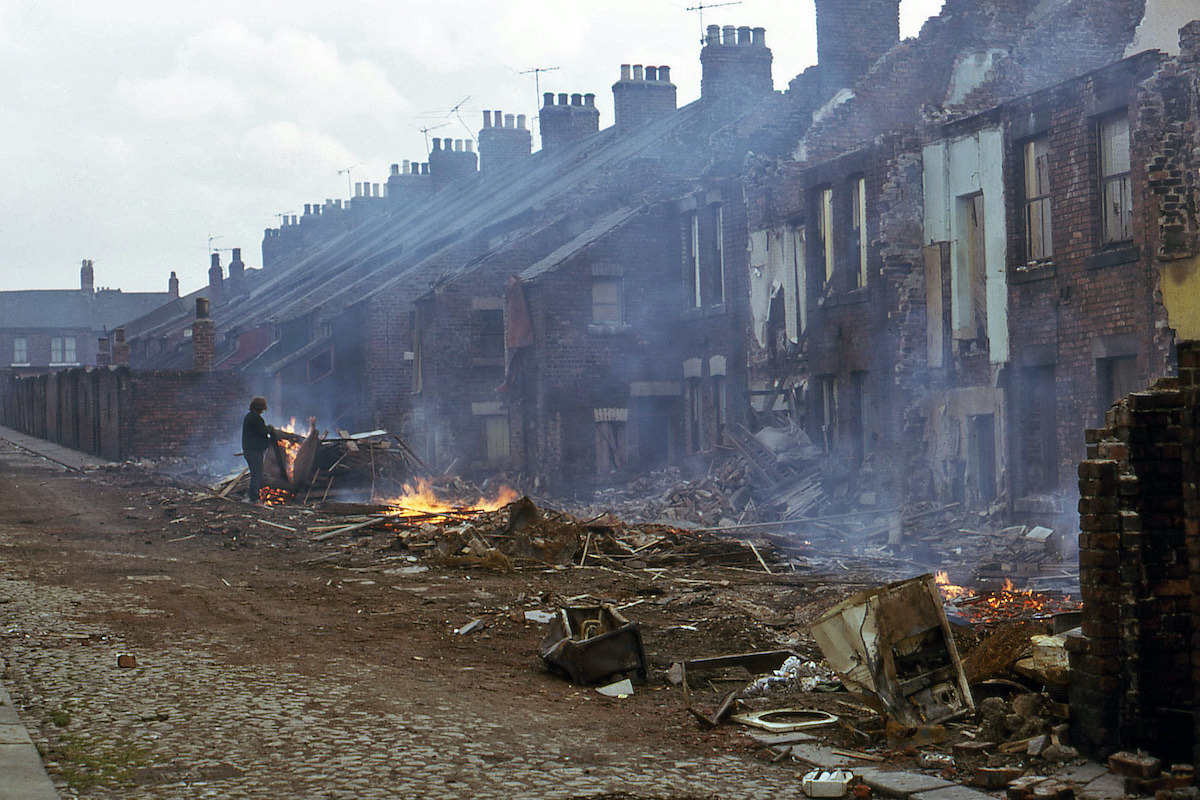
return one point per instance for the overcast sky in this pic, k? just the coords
(131, 131)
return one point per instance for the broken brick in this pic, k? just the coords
(1134, 765)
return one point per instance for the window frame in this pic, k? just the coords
(1037, 200)
(1114, 146)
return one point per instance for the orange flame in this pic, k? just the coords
(421, 499)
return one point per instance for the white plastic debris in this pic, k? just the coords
(619, 689)
(820, 783)
(470, 627)
(538, 616)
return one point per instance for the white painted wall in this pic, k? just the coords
(961, 167)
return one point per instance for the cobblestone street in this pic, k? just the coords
(233, 698)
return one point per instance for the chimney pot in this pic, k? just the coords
(714, 34)
(358, 188)
(576, 99)
(562, 98)
(744, 35)
(760, 37)
(496, 118)
(637, 72)
(376, 190)
(201, 308)
(215, 261)
(471, 145)
(520, 122)
(510, 120)
(729, 35)
(437, 143)
(625, 72)
(424, 167)
(457, 145)
(487, 119)
(652, 74)
(664, 74)
(395, 169)
(589, 99)
(548, 98)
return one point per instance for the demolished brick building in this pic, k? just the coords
(855, 253)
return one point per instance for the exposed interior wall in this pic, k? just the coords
(776, 267)
(1160, 24)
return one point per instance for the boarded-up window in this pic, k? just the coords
(970, 287)
(1039, 243)
(606, 300)
(1116, 199)
(611, 446)
(495, 429)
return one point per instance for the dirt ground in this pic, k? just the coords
(265, 596)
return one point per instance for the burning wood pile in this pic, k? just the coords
(315, 467)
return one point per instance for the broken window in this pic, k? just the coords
(1036, 431)
(981, 457)
(496, 435)
(692, 398)
(606, 300)
(719, 407)
(320, 365)
(860, 414)
(610, 446)
(825, 411)
(716, 271)
(824, 220)
(1039, 244)
(489, 333)
(858, 239)
(62, 350)
(970, 288)
(1116, 377)
(20, 351)
(1116, 199)
(693, 265)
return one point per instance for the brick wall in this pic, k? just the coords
(119, 414)
(1132, 673)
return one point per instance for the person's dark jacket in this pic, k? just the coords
(256, 434)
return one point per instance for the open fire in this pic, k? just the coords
(1005, 604)
(422, 500)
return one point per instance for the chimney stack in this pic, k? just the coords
(451, 162)
(568, 120)
(103, 354)
(204, 338)
(237, 274)
(642, 95)
(502, 145)
(215, 280)
(173, 287)
(735, 64)
(87, 278)
(120, 349)
(851, 36)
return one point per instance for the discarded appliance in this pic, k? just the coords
(822, 783)
(785, 720)
(593, 643)
(895, 642)
(750, 665)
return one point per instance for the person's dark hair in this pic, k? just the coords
(258, 404)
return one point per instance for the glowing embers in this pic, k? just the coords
(1005, 604)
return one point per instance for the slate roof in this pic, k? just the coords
(73, 309)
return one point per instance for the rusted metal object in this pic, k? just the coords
(895, 642)
(753, 664)
(591, 644)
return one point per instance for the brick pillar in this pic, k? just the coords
(1189, 390)
(120, 350)
(103, 354)
(204, 338)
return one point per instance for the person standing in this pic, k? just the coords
(257, 436)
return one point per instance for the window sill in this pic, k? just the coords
(708, 311)
(608, 328)
(64, 363)
(1029, 273)
(20, 364)
(1115, 256)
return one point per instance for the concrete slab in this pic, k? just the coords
(794, 737)
(1084, 773)
(955, 792)
(22, 774)
(1106, 787)
(823, 757)
(899, 783)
